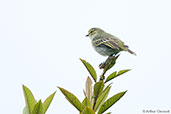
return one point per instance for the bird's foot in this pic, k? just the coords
(102, 65)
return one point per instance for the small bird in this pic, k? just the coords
(106, 44)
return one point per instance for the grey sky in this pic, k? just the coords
(41, 42)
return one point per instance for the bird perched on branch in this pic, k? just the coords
(106, 44)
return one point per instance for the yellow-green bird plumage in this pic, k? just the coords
(105, 43)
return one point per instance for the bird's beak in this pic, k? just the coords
(87, 35)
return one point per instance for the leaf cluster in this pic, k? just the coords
(96, 92)
(33, 106)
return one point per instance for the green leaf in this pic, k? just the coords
(25, 111)
(123, 71)
(115, 74)
(90, 69)
(72, 99)
(111, 76)
(107, 104)
(86, 102)
(87, 110)
(29, 99)
(108, 113)
(38, 108)
(102, 98)
(47, 102)
(98, 87)
(88, 90)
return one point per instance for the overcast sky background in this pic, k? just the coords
(41, 42)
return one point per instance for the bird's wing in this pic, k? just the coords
(111, 42)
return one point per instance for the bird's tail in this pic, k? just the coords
(131, 52)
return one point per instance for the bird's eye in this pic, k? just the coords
(91, 31)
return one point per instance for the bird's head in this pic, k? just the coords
(93, 32)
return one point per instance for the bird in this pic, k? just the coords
(106, 44)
